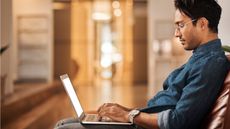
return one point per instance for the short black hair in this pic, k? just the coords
(196, 9)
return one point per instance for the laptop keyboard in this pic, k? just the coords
(106, 119)
(91, 117)
(94, 117)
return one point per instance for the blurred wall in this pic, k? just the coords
(6, 56)
(33, 8)
(80, 40)
(140, 43)
(224, 25)
(158, 11)
(62, 28)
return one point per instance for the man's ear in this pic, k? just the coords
(203, 23)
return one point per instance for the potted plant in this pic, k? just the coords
(4, 49)
(226, 48)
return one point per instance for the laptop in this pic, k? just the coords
(83, 117)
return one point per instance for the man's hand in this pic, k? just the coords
(119, 113)
(114, 111)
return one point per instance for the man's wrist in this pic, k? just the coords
(132, 114)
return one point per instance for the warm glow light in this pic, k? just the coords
(107, 48)
(116, 4)
(101, 10)
(117, 57)
(101, 16)
(166, 46)
(117, 12)
(156, 46)
(106, 61)
(106, 74)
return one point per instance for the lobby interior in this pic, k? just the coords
(116, 51)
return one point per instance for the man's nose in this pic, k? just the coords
(177, 33)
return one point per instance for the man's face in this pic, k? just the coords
(187, 33)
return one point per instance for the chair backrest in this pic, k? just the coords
(219, 116)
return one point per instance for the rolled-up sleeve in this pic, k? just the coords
(163, 119)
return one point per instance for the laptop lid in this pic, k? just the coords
(72, 95)
(76, 103)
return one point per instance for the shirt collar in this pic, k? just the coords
(209, 46)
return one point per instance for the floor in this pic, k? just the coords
(91, 97)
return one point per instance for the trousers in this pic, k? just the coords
(73, 123)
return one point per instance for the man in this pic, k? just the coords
(189, 91)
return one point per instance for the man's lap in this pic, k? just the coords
(72, 123)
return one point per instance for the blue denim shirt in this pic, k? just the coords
(190, 91)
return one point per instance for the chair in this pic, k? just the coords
(219, 116)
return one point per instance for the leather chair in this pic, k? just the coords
(219, 116)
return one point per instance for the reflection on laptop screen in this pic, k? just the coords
(74, 99)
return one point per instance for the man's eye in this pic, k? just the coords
(181, 25)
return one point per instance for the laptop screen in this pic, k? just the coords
(73, 97)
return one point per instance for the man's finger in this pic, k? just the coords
(105, 105)
(98, 110)
(101, 107)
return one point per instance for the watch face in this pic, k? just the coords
(132, 114)
(135, 112)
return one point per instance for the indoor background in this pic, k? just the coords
(113, 50)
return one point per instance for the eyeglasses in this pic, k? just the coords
(181, 25)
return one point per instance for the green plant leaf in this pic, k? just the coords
(226, 48)
(4, 48)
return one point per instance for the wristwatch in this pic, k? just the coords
(133, 114)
